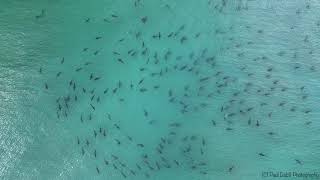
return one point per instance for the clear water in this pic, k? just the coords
(257, 111)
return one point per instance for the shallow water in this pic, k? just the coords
(228, 90)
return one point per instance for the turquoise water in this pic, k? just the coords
(189, 90)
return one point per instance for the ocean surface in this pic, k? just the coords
(159, 89)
